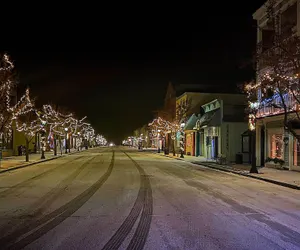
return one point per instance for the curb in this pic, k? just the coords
(29, 164)
(36, 162)
(279, 183)
(179, 159)
(284, 184)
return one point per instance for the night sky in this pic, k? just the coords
(114, 64)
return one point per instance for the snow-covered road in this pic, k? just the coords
(105, 198)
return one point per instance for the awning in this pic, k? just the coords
(191, 123)
(212, 118)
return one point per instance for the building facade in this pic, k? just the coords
(222, 126)
(273, 141)
(195, 139)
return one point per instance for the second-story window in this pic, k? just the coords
(289, 21)
(267, 38)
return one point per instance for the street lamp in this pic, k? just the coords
(66, 144)
(182, 140)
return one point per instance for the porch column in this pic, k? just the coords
(267, 143)
(291, 151)
(258, 145)
(197, 143)
(220, 148)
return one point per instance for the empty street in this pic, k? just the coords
(119, 198)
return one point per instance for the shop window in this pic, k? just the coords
(188, 140)
(296, 153)
(277, 146)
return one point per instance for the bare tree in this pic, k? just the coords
(182, 110)
(7, 85)
(161, 127)
(29, 124)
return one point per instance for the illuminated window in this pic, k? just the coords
(277, 146)
(296, 153)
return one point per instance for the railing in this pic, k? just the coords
(275, 105)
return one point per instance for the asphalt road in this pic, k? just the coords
(117, 198)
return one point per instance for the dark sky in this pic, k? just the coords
(113, 63)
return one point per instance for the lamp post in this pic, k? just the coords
(182, 140)
(43, 147)
(66, 144)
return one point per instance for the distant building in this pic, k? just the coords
(208, 115)
(221, 128)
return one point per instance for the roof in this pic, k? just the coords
(203, 88)
(191, 123)
(258, 14)
(211, 118)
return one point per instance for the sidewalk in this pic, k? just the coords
(15, 162)
(284, 178)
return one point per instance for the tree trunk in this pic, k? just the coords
(59, 140)
(27, 149)
(173, 145)
(55, 146)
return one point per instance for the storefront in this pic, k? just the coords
(190, 143)
(278, 144)
(212, 142)
(190, 135)
(210, 123)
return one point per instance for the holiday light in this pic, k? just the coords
(277, 88)
(100, 140)
(29, 120)
(160, 127)
(8, 111)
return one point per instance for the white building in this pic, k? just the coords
(222, 125)
(272, 141)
